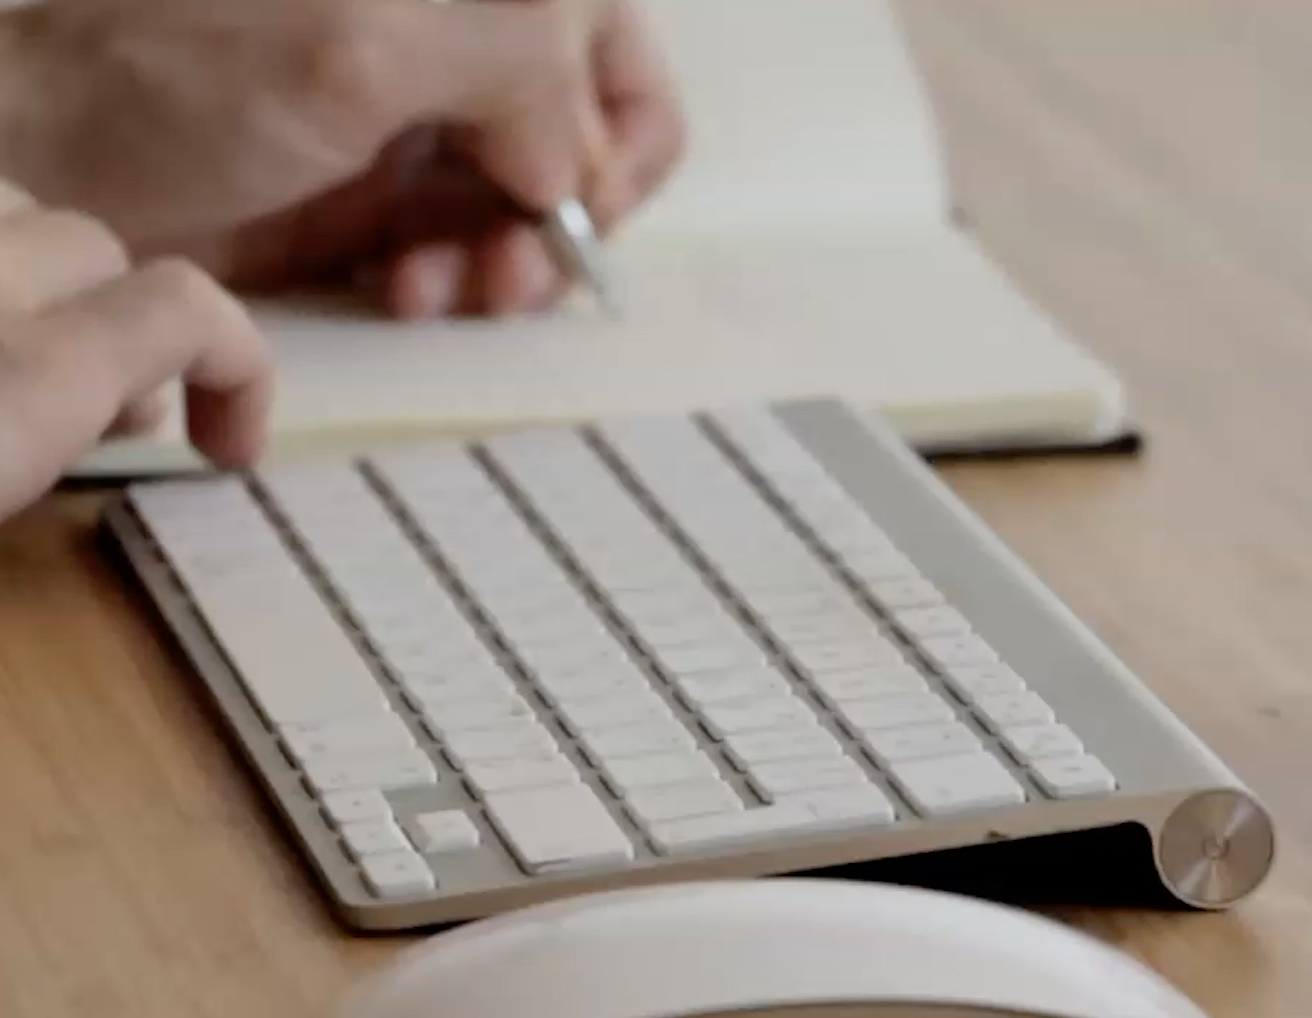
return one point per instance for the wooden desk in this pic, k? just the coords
(1140, 165)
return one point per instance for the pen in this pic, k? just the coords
(573, 240)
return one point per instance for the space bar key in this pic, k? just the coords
(693, 833)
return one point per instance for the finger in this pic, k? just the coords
(124, 339)
(508, 271)
(454, 201)
(361, 220)
(517, 75)
(427, 281)
(516, 272)
(139, 417)
(47, 255)
(641, 106)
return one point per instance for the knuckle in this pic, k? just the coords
(178, 288)
(345, 61)
(551, 56)
(89, 236)
(46, 254)
(179, 283)
(567, 56)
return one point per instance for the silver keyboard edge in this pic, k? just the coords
(924, 516)
(953, 545)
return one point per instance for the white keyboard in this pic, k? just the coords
(476, 674)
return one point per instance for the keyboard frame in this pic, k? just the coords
(1171, 783)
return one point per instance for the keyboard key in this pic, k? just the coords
(699, 691)
(546, 651)
(913, 592)
(372, 837)
(833, 627)
(880, 566)
(552, 662)
(727, 828)
(1006, 710)
(559, 828)
(895, 712)
(954, 784)
(940, 620)
(584, 685)
(873, 650)
(400, 874)
(535, 771)
(634, 772)
(359, 804)
(549, 619)
(948, 652)
(795, 815)
(447, 830)
(973, 681)
(750, 748)
(386, 771)
(844, 528)
(557, 621)
(411, 650)
(800, 604)
(580, 673)
(638, 606)
(467, 680)
(675, 802)
(511, 741)
(865, 802)
(775, 452)
(367, 734)
(463, 715)
(752, 715)
(1065, 777)
(1039, 742)
(638, 707)
(783, 777)
(923, 742)
(865, 683)
(662, 736)
(662, 636)
(294, 659)
(700, 658)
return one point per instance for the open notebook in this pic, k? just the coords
(804, 247)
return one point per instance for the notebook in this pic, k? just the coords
(803, 247)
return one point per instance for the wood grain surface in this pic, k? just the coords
(1142, 169)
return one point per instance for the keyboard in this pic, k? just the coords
(475, 673)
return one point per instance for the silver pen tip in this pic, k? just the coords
(572, 234)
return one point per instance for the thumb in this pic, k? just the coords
(545, 151)
(517, 78)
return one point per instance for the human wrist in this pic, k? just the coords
(32, 94)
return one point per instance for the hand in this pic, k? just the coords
(289, 142)
(85, 341)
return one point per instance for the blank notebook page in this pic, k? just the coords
(802, 248)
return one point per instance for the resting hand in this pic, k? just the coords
(85, 340)
(288, 142)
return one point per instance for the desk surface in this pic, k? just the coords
(1140, 166)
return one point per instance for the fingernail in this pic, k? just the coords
(430, 281)
(540, 278)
